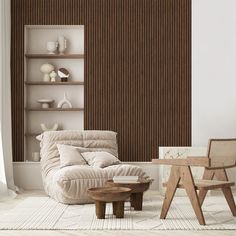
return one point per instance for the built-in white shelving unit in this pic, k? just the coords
(36, 54)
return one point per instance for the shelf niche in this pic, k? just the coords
(36, 54)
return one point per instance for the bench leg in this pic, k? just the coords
(188, 182)
(136, 201)
(100, 209)
(118, 209)
(114, 207)
(170, 190)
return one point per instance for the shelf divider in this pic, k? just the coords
(53, 109)
(55, 56)
(32, 134)
(54, 83)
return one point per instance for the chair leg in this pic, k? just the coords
(230, 199)
(188, 182)
(222, 175)
(170, 190)
(207, 175)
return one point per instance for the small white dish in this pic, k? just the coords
(45, 103)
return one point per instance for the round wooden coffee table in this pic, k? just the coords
(137, 190)
(116, 195)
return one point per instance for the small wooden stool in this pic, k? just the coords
(103, 195)
(137, 190)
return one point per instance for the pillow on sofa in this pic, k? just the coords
(70, 155)
(100, 159)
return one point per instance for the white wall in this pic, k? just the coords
(213, 70)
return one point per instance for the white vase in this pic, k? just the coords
(62, 44)
(52, 47)
(36, 156)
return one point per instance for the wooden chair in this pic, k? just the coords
(221, 155)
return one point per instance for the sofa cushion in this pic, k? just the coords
(70, 155)
(100, 159)
(92, 140)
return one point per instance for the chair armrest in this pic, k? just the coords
(222, 164)
(189, 161)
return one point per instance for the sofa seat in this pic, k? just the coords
(69, 184)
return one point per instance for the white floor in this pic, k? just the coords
(5, 206)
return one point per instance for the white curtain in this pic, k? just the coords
(6, 166)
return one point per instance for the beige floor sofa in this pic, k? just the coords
(69, 184)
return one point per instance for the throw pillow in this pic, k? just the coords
(70, 155)
(100, 159)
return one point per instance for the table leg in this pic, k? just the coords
(188, 182)
(118, 209)
(114, 206)
(100, 209)
(136, 200)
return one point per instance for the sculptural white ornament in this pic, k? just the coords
(63, 74)
(64, 102)
(53, 128)
(46, 69)
(53, 76)
(62, 44)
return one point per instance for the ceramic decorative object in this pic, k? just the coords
(36, 156)
(63, 74)
(64, 102)
(45, 103)
(62, 44)
(53, 76)
(53, 128)
(46, 69)
(52, 47)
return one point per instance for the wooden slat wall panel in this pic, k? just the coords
(137, 69)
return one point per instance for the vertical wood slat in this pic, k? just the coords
(137, 69)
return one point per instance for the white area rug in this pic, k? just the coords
(44, 213)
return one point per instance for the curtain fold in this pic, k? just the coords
(6, 165)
